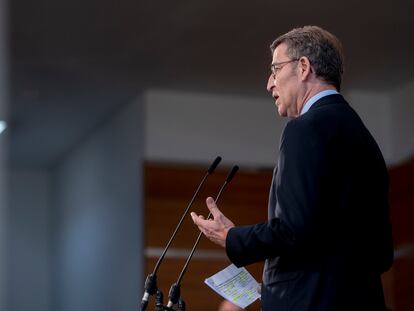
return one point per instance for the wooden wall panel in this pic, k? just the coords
(401, 290)
(168, 190)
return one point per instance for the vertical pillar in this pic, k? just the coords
(3, 149)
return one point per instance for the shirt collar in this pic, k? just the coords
(315, 98)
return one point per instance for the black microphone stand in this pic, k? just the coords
(175, 290)
(159, 306)
(150, 287)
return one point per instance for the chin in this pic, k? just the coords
(282, 113)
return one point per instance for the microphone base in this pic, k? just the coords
(174, 294)
(181, 307)
(150, 289)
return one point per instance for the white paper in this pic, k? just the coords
(235, 284)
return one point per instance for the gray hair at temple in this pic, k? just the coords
(323, 49)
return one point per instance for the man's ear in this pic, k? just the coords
(305, 68)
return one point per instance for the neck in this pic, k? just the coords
(312, 91)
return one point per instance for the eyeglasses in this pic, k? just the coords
(276, 67)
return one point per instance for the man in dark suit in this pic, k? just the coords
(328, 237)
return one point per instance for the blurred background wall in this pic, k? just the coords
(4, 184)
(96, 89)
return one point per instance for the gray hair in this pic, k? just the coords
(322, 48)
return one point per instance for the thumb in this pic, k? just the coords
(212, 207)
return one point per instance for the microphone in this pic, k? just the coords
(175, 290)
(159, 301)
(150, 287)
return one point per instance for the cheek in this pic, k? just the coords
(278, 81)
(281, 83)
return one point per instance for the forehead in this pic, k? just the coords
(280, 53)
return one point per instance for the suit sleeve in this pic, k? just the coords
(301, 167)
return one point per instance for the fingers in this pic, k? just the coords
(197, 219)
(212, 207)
(200, 222)
(194, 217)
(213, 229)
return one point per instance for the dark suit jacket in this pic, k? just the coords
(328, 237)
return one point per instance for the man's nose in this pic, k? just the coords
(270, 84)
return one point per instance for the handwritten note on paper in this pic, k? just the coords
(235, 284)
